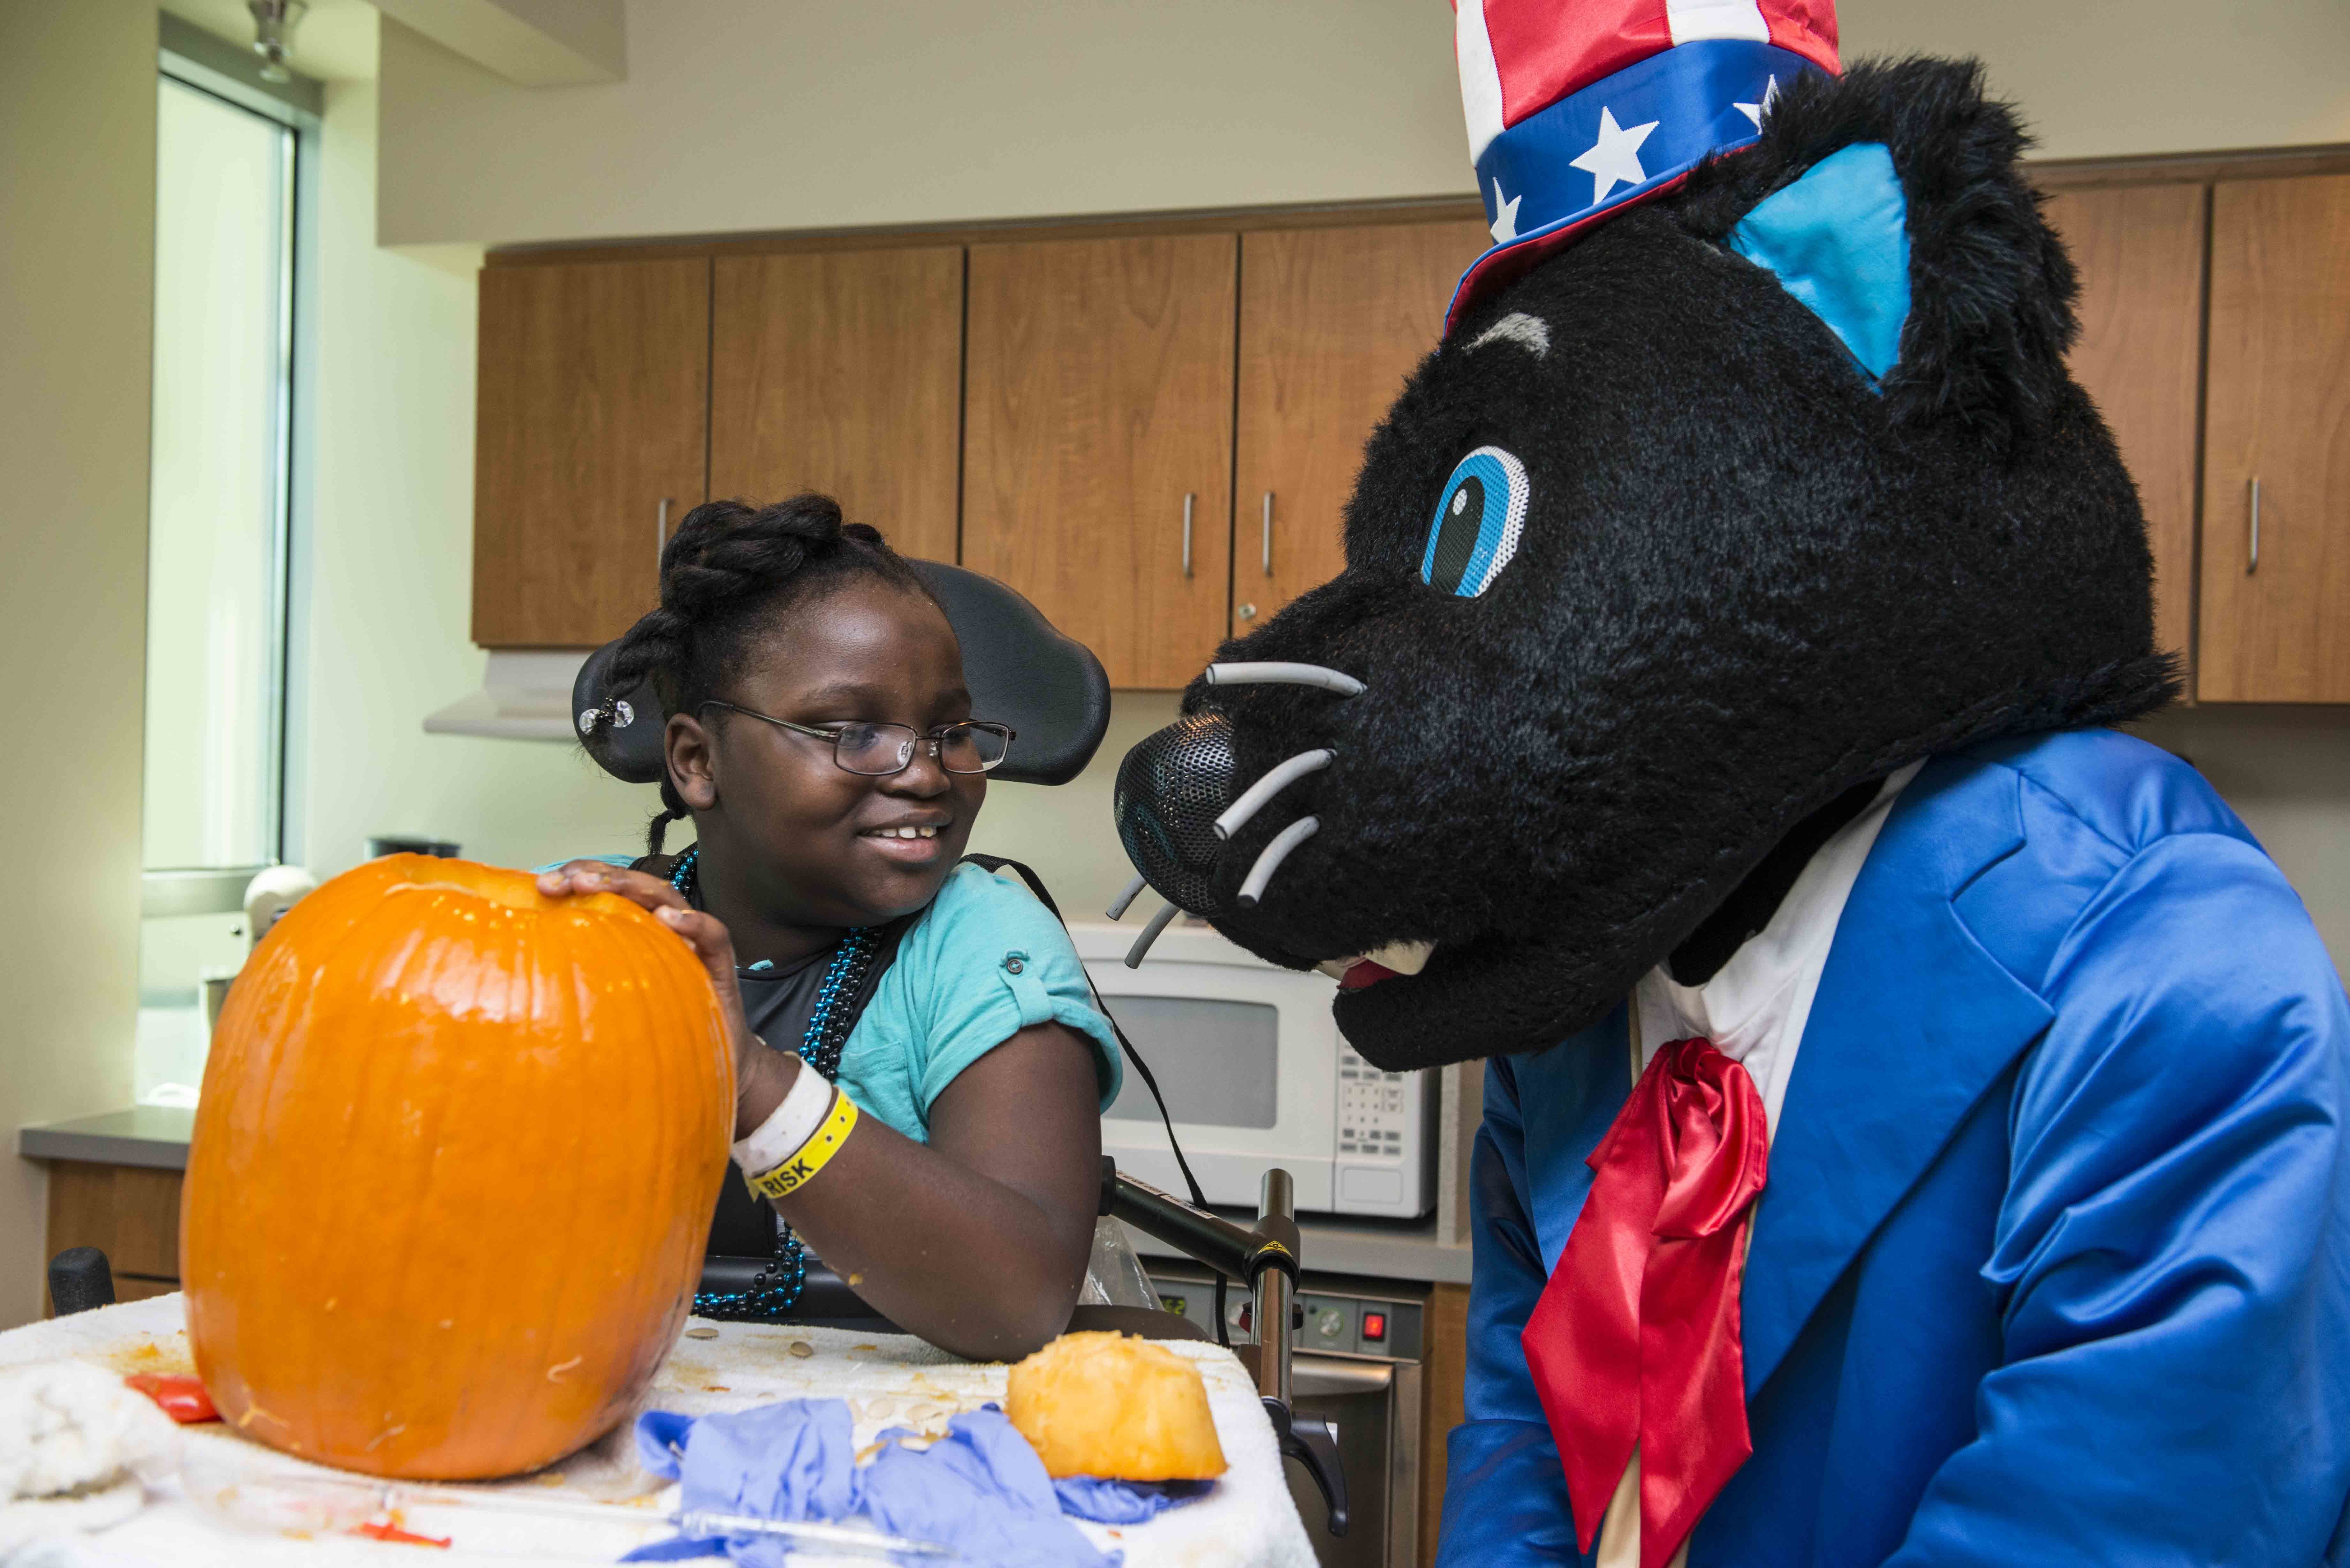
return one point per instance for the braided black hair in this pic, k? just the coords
(725, 575)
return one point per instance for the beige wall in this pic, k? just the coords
(391, 573)
(77, 241)
(746, 114)
(749, 115)
(2098, 79)
(2286, 771)
(1065, 831)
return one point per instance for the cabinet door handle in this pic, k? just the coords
(1268, 533)
(1188, 497)
(2253, 552)
(661, 536)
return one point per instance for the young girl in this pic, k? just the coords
(820, 736)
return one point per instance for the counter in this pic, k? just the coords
(155, 1137)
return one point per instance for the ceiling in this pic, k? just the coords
(334, 42)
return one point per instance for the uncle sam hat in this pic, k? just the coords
(1579, 108)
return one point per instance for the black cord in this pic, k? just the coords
(993, 863)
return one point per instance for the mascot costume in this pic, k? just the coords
(1914, 1111)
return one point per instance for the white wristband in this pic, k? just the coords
(791, 1123)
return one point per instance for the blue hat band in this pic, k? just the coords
(1627, 134)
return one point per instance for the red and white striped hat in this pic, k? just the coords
(1578, 109)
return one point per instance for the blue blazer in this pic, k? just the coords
(2054, 1262)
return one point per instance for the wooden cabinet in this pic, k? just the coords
(1443, 1403)
(2139, 249)
(131, 1213)
(841, 371)
(591, 439)
(1098, 441)
(1332, 321)
(1042, 409)
(2275, 620)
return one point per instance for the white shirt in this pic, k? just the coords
(1753, 1010)
(1755, 1007)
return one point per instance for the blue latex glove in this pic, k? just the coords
(1107, 1502)
(794, 1460)
(981, 1488)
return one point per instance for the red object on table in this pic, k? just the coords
(180, 1393)
(385, 1531)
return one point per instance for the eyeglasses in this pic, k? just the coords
(879, 750)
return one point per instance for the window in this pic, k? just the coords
(219, 516)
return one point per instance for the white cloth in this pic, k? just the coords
(75, 1449)
(66, 1426)
(1755, 1007)
(888, 1380)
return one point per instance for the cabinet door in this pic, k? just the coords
(1097, 406)
(591, 440)
(2139, 249)
(1443, 1402)
(1332, 320)
(131, 1213)
(2275, 623)
(842, 372)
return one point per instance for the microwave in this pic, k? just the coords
(1256, 1074)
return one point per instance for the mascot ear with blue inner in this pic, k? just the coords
(1914, 1113)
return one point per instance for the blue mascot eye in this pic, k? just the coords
(1478, 520)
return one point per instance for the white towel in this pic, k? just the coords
(76, 1449)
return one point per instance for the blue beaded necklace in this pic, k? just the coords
(777, 1288)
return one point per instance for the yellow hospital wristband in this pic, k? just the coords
(811, 1155)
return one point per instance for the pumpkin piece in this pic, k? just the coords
(451, 1171)
(1115, 1406)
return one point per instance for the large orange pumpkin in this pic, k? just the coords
(452, 1171)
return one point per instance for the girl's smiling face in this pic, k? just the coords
(784, 830)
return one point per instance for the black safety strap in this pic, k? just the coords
(995, 863)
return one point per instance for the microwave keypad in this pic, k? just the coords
(1372, 1112)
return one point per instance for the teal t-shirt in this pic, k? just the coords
(984, 962)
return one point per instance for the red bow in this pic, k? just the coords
(1636, 1340)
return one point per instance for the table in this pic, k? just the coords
(889, 1379)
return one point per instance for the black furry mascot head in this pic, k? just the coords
(1769, 484)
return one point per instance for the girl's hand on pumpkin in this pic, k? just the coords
(707, 936)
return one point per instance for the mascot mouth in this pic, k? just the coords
(1396, 960)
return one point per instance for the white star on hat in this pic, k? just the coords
(1505, 215)
(1755, 112)
(1615, 158)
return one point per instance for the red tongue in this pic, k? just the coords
(1365, 973)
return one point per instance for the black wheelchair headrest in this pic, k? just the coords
(1049, 687)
